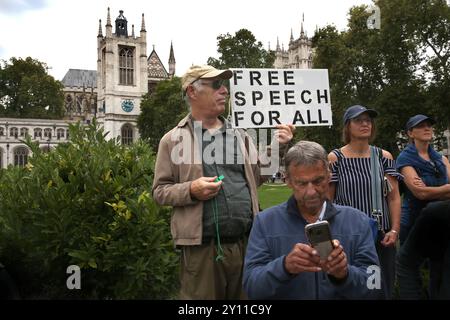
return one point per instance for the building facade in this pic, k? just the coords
(47, 133)
(122, 76)
(112, 94)
(298, 55)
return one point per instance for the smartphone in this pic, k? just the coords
(319, 236)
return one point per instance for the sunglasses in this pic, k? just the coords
(216, 84)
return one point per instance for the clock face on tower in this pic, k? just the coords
(127, 105)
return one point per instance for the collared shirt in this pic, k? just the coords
(322, 212)
(433, 174)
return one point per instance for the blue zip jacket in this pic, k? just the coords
(274, 233)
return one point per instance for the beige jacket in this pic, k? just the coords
(178, 163)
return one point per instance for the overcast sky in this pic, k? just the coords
(63, 33)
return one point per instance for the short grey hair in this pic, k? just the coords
(197, 85)
(305, 153)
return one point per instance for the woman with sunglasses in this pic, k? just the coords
(426, 175)
(351, 185)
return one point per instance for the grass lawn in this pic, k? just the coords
(273, 194)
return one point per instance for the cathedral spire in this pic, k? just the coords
(132, 30)
(171, 55)
(108, 19)
(108, 30)
(143, 24)
(302, 33)
(292, 37)
(171, 60)
(100, 34)
(278, 44)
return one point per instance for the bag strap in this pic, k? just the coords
(376, 183)
(380, 155)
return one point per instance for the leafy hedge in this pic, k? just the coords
(86, 203)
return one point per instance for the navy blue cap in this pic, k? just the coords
(415, 120)
(354, 111)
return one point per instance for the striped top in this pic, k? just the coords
(352, 177)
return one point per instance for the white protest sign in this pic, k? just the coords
(262, 98)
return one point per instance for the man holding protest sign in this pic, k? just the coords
(211, 216)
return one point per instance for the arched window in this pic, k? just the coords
(37, 133)
(60, 133)
(126, 65)
(2, 131)
(14, 132)
(47, 133)
(23, 132)
(20, 156)
(69, 104)
(1, 158)
(127, 134)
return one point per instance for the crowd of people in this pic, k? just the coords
(387, 219)
(209, 173)
(230, 250)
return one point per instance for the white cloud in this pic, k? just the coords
(19, 6)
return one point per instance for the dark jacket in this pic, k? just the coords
(433, 173)
(275, 232)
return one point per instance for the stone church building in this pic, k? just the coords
(298, 55)
(111, 94)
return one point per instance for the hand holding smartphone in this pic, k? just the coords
(319, 236)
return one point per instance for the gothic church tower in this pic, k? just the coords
(121, 77)
(299, 53)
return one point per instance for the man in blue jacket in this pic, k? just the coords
(280, 263)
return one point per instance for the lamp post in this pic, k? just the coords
(48, 143)
(7, 154)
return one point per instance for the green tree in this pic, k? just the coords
(241, 51)
(27, 91)
(86, 203)
(333, 54)
(400, 69)
(429, 24)
(161, 111)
